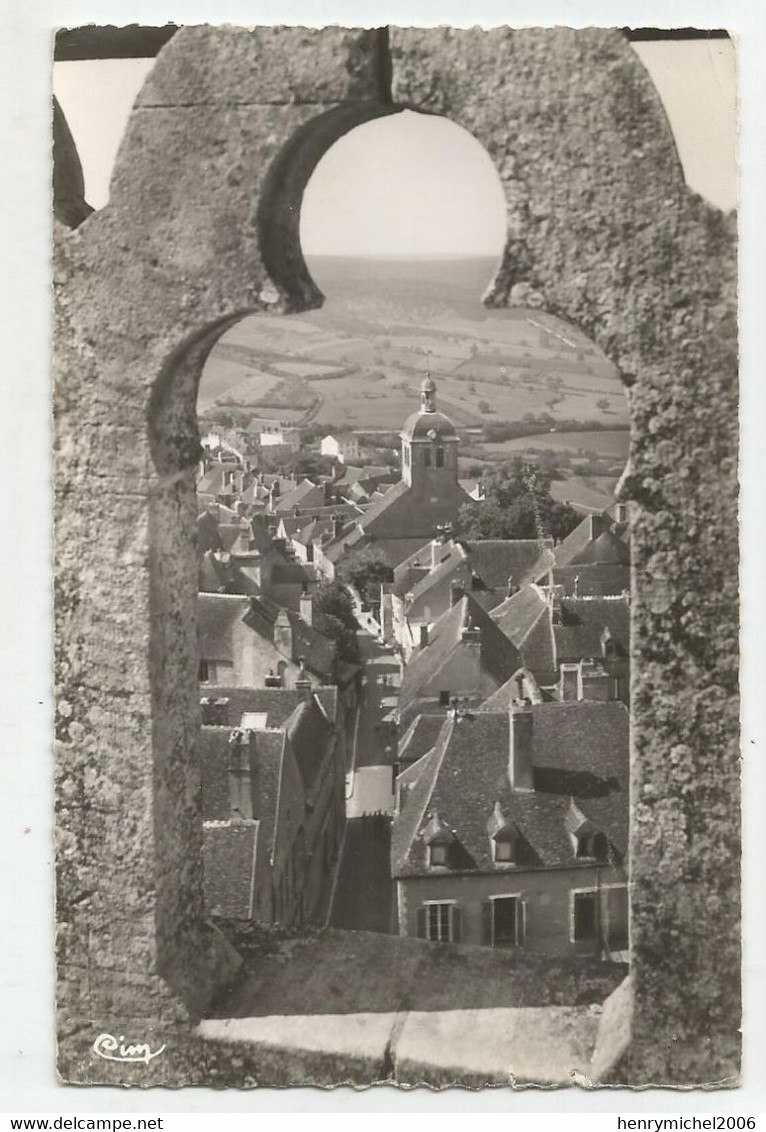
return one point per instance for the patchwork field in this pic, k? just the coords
(604, 442)
(360, 360)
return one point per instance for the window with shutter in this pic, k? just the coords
(506, 921)
(456, 927)
(439, 921)
(420, 926)
(486, 923)
(617, 917)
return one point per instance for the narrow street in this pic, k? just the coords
(363, 898)
(369, 787)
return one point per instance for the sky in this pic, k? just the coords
(455, 200)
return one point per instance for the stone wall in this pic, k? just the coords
(202, 226)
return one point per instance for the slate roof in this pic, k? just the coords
(580, 754)
(499, 657)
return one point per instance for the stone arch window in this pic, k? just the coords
(149, 284)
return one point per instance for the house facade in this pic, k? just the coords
(512, 831)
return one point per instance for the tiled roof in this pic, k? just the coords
(306, 494)
(601, 579)
(394, 549)
(499, 657)
(419, 738)
(525, 560)
(449, 558)
(309, 734)
(580, 753)
(231, 533)
(215, 577)
(583, 622)
(313, 530)
(597, 539)
(502, 699)
(316, 649)
(208, 535)
(217, 614)
(229, 852)
(278, 704)
(291, 573)
(214, 769)
(525, 619)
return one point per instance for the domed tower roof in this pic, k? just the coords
(428, 424)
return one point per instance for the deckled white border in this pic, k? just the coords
(27, 1081)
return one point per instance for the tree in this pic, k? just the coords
(603, 404)
(517, 504)
(336, 617)
(366, 570)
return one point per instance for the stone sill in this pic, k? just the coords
(332, 1008)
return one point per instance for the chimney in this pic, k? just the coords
(621, 513)
(520, 720)
(436, 546)
(296, 511)
(511, 588)
(215, 712)
(303, 683)
(470, 632)
(569, 682)
(283, 634)
(555, 597)
(423, 636)
(594, 682)
(337, 525)
(307, 607)
(328, 492)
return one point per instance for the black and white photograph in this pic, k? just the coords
(395, 557)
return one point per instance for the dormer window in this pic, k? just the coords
(591, 846)
(504, 836)
(438, 838)
(608, 645)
